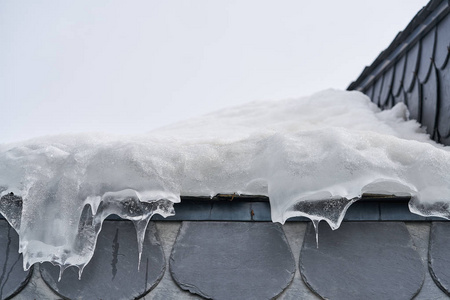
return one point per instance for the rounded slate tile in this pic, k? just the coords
(412, 63)
(426, 56)
(442, 42)
(444, 105)
(445, 140)
(430, 95)
(387, 87)
(362, 260)
(369, 91)
(377, 88)
(401, 97)
(438, 255)
(389, 103)
(399, 73)
(113, 271)
(12, 276)
(232, 260)
(414, 102)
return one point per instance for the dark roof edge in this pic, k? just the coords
(260, 212)
(261, 198)
(420, 25)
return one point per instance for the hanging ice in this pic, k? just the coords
(312, 156)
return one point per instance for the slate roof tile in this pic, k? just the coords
(397, 83)
(113, 271)
(420, 233)
(439, 260)
(401, 97)
(232, 260)
(430, 102)
(444, 106)
(362, 260)
(412, 65)
(414, 102)
(12, 276)
(369, 91)
(426, 58)
(377, 88)
(387, 87)
(442, 43)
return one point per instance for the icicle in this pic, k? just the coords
(141, 228)
(26, 265)
(316, 229)
(328, 208)
(61, 271)
(325, 207)
(80, 270)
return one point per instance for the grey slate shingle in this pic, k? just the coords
(12, 276)
(439, 258)
(232, 260)
(113, 271)
(362, 260)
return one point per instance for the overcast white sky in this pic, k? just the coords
(132, 66)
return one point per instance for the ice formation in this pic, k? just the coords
(312, 156)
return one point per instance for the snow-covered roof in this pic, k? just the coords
(312, 156)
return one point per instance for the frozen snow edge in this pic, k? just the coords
(331, 210)
(311, 156)
(237, 205)
(233, 207)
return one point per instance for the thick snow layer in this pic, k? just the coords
(312, 156)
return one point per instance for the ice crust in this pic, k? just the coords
(312, 156)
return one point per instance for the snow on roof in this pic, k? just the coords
(321, 151)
